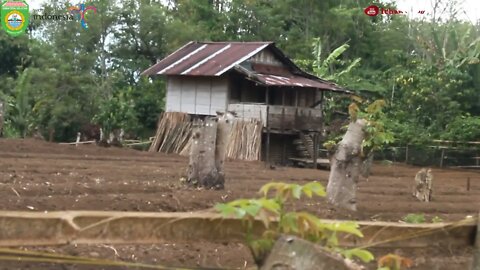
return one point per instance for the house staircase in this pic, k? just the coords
(305, 149)
(304, 145)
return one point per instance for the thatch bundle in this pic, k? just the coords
(245, 140)
(174, 134)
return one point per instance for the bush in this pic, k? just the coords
(463, 128)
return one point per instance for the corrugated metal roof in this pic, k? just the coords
(289, 79)
(216, 58)
(293, 80)
(206, 58)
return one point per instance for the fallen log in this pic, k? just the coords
(97, 227)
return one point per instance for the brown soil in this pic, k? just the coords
(40, 176)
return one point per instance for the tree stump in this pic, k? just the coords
(291, 253)
(345, 167)
(224, 127)
(202, 169)
(422, 188)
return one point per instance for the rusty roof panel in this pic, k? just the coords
(206, 58)
(189, 61)
(233, 55)
(170, 59)
(293, 80)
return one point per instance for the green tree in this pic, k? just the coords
(116, 113)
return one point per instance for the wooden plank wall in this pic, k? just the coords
(196, 95)
(246, 111)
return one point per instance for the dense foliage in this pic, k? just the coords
(60, 76)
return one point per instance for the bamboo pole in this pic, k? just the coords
(76, 143)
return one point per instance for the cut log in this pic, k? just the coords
(345, 167)
(476, 251)
(290, 253)
(202, 170)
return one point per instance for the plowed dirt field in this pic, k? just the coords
(41, 176)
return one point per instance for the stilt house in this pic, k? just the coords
(253, 80)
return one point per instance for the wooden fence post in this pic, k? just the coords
(202, 170)
(406, 154)
(2, 117)
(267, 146)
(442, 157)
(476, 249)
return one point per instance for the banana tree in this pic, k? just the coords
(331, 68)
(21, 105)
(326, 68)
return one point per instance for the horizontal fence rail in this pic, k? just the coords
(96, 227)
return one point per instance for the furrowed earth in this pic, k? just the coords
(41, 176)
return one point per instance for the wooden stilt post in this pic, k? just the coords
(267, 150)
(283, 127)
(476, 249)
(315, 150)
(322, 116)
(442, 156)
(296, 96)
